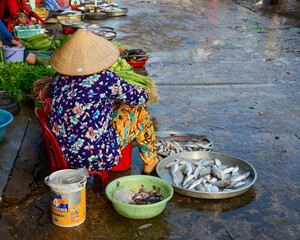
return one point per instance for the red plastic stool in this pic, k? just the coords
(125, 160)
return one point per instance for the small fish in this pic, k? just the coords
(178, 178)
(218, 162)
(197, 171)
(187, 179)
(232, 184)
(188, 170)
(239, 184)
(213, 189)
(213, 179)
(228, 170)
(200, 188)
(246, 174)
(205, 171)
(208, 163)
(217, 172)
(206, 187)
(221, 184)
(170, 164)
(174, 168)
(194, 184)
(235, 169)
(146, 226)
(227, 176)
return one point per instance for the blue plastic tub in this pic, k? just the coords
(5, 119)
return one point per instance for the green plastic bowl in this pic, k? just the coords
(134, 182)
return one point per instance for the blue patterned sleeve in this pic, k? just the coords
(127, 93)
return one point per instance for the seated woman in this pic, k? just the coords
(88, 131)
(6, 38)
(15, 12)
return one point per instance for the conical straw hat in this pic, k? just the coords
(84, 53)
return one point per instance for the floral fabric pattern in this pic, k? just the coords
(81, 115)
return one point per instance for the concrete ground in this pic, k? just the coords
(226, 69)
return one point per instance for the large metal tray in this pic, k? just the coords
(95, 16)
(230, 161)
(177, 133)
(116, 14)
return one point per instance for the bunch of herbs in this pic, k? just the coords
(17, 78)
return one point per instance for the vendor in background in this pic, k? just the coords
(6, 38)
(16, 12)
(88, 130)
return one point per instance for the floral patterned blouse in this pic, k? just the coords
(81, 110)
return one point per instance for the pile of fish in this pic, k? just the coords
(206, 175)
(173, 147)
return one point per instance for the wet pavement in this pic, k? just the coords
(223, 69)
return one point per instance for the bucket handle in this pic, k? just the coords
(10, 55)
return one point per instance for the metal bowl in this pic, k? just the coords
(95, 16)
(230, 161)
(163, 134)
(110, 35)
(123, 11)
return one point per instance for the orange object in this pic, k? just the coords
(68, 200)
(37, 1)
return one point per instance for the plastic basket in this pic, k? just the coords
(25, 31)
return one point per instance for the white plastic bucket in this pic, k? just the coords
(67, 189)
(13, 54)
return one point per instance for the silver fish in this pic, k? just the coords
(178, 178)
(221, 184)
(228, 170)
(188, 170)
(200, 188)
(194, 184)
(217, 172)
(205, 171)
(170, 164)
(232, 184)
(146, 226)
(213, 189)
(235, 169)
(187, 179)
(239, 184)
(218, 162)
(174, 169)
(206, 187)
(213, 179)
(208, 163)
(197, 171)
(227, 176)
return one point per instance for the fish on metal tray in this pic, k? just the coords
(206, 175)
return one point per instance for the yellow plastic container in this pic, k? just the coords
(68, 197)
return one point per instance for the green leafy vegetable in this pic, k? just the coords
(18, 77)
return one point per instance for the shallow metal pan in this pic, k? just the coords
(117, 13)
(163, 134)
(230, 161)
